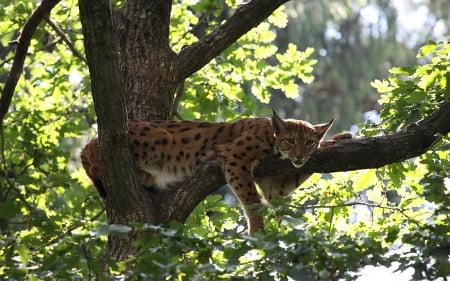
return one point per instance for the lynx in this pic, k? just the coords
(166, 152)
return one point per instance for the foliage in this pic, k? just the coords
(411, 93)
(48, 212)
(425, 88)
(234, 82)
(52, 225)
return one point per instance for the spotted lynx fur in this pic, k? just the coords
(166, 152)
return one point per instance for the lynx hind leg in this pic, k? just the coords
(277, 186)
(147, 180)
(94, 172)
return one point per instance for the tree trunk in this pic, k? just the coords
(122, 205)
(150, 72)
(147, 75)
(147, 62)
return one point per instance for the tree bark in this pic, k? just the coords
(148, 64)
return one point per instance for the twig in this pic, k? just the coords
(355, 203)
(72, 228)
(349, 204)
(65, 39)
(178, 115)
(360, 203)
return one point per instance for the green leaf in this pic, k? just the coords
(291, 90)
(279, 18)
(427, 49)
(406, 70)
(9, 209)
(364, 180)
(382, 86)
(392, 234)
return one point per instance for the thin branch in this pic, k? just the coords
(176, 102)
(87, 259)
(23, 42)
(178, 116)
(246, 17)
(357, 203)
(348, 204)
(65, 39)
(72, 228)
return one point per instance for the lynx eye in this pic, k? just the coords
(290, 141)
(310, 142)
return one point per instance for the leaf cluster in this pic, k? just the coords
(412, 92)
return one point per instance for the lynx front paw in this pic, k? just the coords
(342, 136)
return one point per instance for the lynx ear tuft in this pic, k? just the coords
(322, 129)
(277, 123)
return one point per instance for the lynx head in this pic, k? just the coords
(296, 140)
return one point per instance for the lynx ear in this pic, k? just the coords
(322, 129)
(277, 123)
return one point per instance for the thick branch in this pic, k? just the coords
(373, 152)
(247, 16)
(344, 155)
(23, 42)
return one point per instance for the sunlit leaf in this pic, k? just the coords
(364, 180)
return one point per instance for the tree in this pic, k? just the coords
(133, 66)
